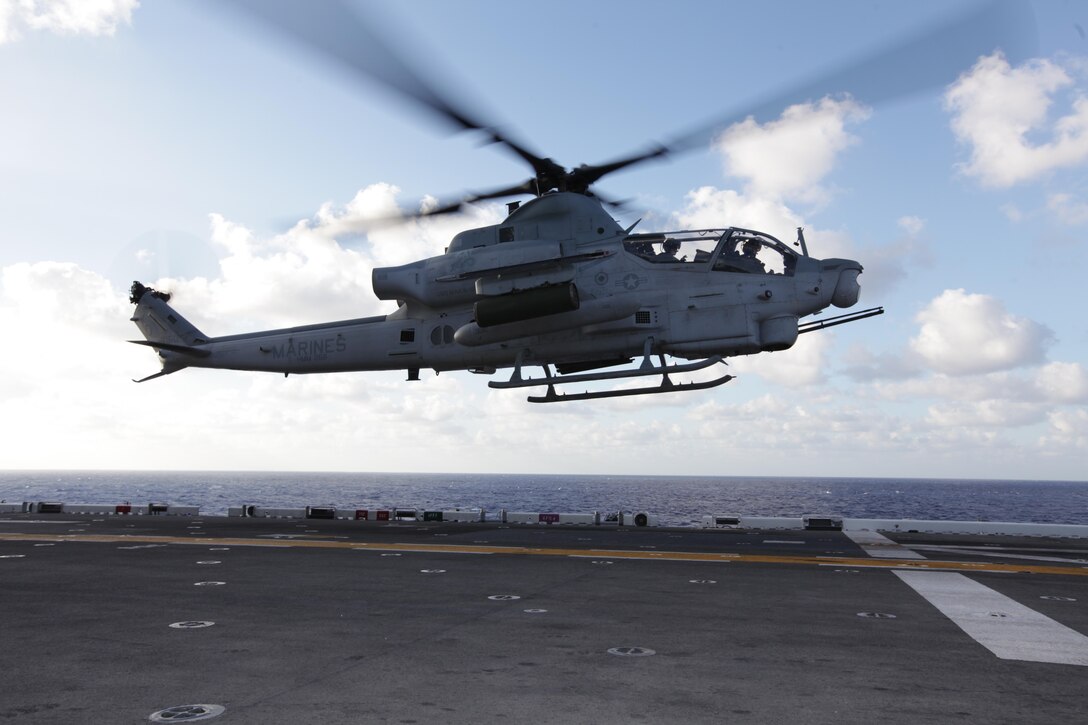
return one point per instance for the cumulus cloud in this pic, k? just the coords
(974, 388)
(964, 334)
(806, 426)
(64, 17)
(321, 266)
(886, 264)
(69, 380)
(802, 365)
(1068, 429)
(985, 414)
(708, 206)
(58, 292)
(306, 274)
(998, 109)
(787, 160)
(789, 157)
(64, 325)
(1063, 382)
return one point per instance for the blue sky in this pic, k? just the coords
(178, 144)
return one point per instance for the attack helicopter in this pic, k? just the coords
(558, 284)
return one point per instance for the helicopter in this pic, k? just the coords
(558, 284)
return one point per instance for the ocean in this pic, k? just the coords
(673, 500)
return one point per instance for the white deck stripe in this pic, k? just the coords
(879, 546)
(997, 554)
(1008, 629)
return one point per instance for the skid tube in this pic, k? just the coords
(646, 368)
(666, 386)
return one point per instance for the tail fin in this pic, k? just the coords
(172, 336)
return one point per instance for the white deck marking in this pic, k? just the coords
(998, 554)
(880, 546)
(1005, 627)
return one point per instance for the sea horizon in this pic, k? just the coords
(673, 499)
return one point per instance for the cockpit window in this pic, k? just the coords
(675, 247)
(754, 253)
(741, 251)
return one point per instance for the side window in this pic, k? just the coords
(674, 247)
(752, 254)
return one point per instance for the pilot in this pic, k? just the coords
(669, 250)
(750, 250)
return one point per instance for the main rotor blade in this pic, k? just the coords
(448, 207)
(527, 187)
(584, 176)
(331, 29)
(929, 58)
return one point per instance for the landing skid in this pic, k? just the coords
(666, 386)
(646, 368)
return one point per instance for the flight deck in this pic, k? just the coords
(127, 619)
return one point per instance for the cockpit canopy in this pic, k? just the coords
(722, 250)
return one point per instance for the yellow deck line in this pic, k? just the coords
(295, 543)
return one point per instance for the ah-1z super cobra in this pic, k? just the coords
(558, 283)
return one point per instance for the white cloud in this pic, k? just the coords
(64, 17)
(985, 414)
(58, 292)
(789, 157)
(1068, 429)
(69, 380)
(806, 426)
(1063, 382)
(972, 388)
(888, 264)
(1012, 212)
(964, 334)
(912, 225)
(289, 279)
(1068, 210)
(8, 17)
(63, 371)
(393, 239)
(802, 365)
(305, 274)
(996, 109)
(708, 207)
